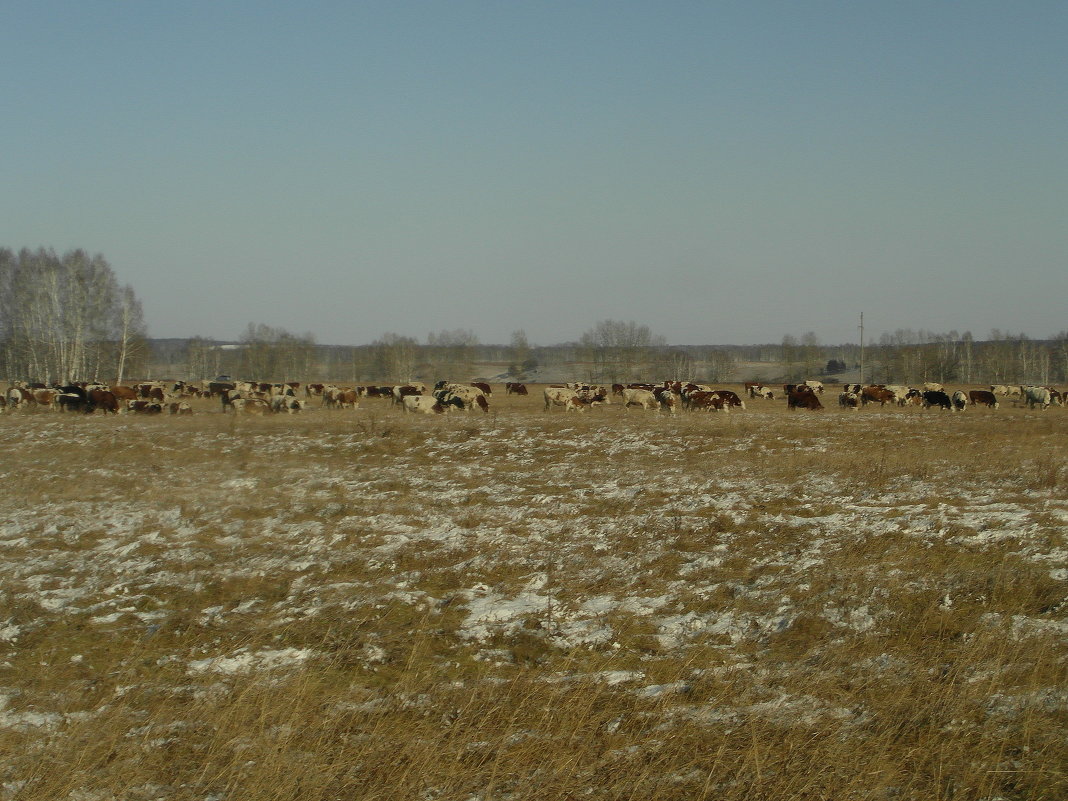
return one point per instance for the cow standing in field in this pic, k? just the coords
(513, 388)
(1037, 396)
(982, 397)
(959, 400)
(934, 397)
(640, 397)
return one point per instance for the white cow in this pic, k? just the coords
(959, 400)
(640, 397)
(815, 386)
(421, 404)
(1037, 396)
(932, 386)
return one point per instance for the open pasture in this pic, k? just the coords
(346, 604)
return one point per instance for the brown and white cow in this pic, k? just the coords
(421, 404)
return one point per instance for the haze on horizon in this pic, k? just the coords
(721, 172)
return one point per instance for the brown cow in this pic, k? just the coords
(875, 394)
(515, 389)
(803, 397)
(103, 399)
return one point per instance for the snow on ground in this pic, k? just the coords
(584, 537)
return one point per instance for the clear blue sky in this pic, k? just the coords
(721, 172)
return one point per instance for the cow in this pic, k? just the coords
(935, 397)
(854, 388)
(562, 396)
(959, 400)
(912, 397)
(46, 398)
(483, 386)
(982, 397)
(1037, 396)
(514, 388)
(729, 398)
(932, 386)
(253, 406)
(144, 406)
(421, 404)
(1056, 396)
(20, 398)
(849, 400)
(815, 386)
(640, 397)
(402, 390)
(219, 387)
(1007, 391)
(102, 399)
(179, 407)
(803, 397)
(287, 403)
(461, 396)
(347, 399)
(667, 398)
(876, 394)
(123, 393)
(708, 401)
(761, 391)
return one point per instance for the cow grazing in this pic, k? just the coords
(705, 401)
(877, 394)
(513, 388)
(849, 400)
(483, 386)
(20, 398)
(959, 400)
(144, 406)
(179, 407)
(935, 397)
(982, 397)
(461, 396)
(640, 397)
(729, 398)
(932, 386)
(562, 396)
(421, 404)
(1037, 396)
(103, 399)
(252, 406)
(287, 404)
(667, 398)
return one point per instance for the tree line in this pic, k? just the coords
(66, 318)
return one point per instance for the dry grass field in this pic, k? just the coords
(526, 605)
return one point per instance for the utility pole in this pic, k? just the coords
(862, 348)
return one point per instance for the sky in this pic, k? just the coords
(722, 172)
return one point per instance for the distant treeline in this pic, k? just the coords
(903, 357)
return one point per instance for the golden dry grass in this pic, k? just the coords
(521, 605)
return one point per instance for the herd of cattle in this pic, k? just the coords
(258, 398)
